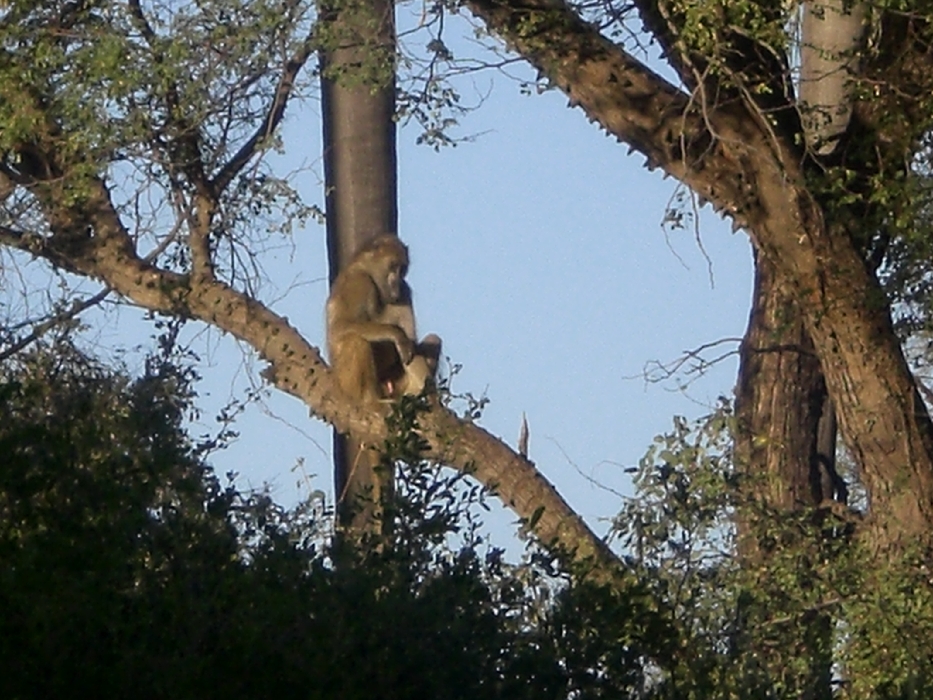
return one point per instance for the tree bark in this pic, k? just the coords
(786, 436)
(360, 180)
(779, 399)
(781, 405)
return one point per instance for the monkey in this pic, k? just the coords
(374, 356)
(371, 333)
(396, 379)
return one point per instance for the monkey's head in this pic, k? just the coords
(386, 260)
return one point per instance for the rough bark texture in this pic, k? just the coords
(360, 180)
(779, 398)
(781, 405)
(734, 157)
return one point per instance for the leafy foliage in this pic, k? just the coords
(126, 568)
(763, 602)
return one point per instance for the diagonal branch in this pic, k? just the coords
(296, 367)
(271, 121)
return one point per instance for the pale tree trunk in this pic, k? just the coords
(831, 33)
(360, 177)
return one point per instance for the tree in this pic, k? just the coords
(360, 173)
(195, 122)
(214, 80)
(739, 142)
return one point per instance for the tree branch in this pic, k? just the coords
(273, 118)
(630, 101)
(296, 367)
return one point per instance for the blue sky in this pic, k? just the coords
(539, 257)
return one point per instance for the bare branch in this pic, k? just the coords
(55, 320)
(691, 364)
(273, 117)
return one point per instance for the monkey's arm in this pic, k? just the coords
(373, 332)
(351, 308)
(401, 315)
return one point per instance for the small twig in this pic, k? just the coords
(42, 328)
(273, 117)
(656, 371)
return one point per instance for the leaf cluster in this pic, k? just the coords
(767, 603)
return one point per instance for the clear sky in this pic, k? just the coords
(539, 257)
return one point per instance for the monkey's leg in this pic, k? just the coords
(417, 374)
(356, 370)
(422, 368)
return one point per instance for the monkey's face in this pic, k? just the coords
(385, 260)
(391, 287)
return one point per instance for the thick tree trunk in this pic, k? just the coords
(786, 436)
(787, 424)
(781, 405)
(779, 398)
(360, 179)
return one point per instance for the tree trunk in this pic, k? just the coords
(787, 424)
(779, 398)
(781, 406)
(360, 179)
